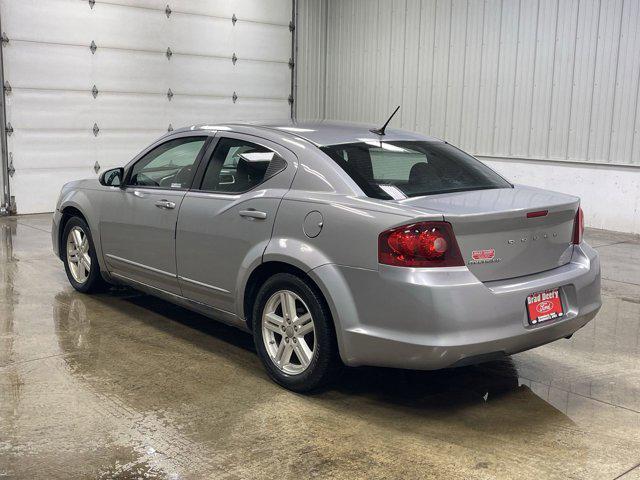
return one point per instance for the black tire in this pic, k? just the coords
(94, 281)
(325, 363)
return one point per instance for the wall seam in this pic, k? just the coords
(484, 11)
(495, 100)
(515, 78)
(615, 82)
(446, 96)
(533, 89)
(573, 76)
(593, 82)
(464, 70)
(553, 80)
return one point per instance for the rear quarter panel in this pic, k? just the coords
(348, 235)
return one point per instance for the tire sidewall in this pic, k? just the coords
(318, 372)
(93, 280)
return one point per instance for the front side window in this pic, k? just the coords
(171, 165)
(238, 166)
(400, 169)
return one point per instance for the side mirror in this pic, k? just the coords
(112, 177)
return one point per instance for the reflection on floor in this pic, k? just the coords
(125, 385)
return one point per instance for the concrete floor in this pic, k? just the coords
(123, 385)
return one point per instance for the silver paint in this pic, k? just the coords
(390, 316)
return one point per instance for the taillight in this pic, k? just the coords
(578, 227)
(423, 244)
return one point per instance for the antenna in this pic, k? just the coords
(380, 131)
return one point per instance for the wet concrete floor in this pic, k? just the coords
(122, 385)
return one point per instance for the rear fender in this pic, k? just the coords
(309, 258)
(301, 254)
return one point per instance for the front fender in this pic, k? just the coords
(83, 201)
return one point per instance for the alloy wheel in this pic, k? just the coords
(78, 257)
(288, 332)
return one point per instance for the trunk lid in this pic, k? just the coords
(497, 239)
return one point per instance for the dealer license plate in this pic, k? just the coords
(544, 306)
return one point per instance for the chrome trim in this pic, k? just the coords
(140, 265)
(166, 204)
(205, 285)
(253, 213)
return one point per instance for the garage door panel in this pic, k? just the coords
(40, 188)
(274, 11)
(257, 41)
(117, 148)
(127, 71)
(52, 71)
(214, 76)
(272, 80)
(271, 11)
(129, 28)
(68, 67)
(195, 110)
(202, 75)
(34, 109)
(48, 149)
(131, 111)
(60, 21)
(37, 65)
(219, 37)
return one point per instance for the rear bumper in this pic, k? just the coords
(438, 318)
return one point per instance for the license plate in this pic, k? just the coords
(544, 306)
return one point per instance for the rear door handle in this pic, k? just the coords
(165, 204)
(251, 213)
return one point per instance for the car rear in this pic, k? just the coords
(502, 270)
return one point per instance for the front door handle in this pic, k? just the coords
(252, 213)
(165, 204)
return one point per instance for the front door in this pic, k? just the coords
(138, 222)
(226, 220)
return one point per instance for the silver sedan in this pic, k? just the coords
(335, 244)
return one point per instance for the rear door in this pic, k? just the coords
(138, 222)
(226, 221)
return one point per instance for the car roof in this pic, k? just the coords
(320, 133)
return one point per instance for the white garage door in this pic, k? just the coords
(92, 83)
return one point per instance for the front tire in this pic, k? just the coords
(79, 257)
(294, 334)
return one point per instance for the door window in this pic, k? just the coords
(171, 165)
(238, 166)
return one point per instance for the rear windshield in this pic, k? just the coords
(400, 169)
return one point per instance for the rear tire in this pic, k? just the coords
(79, 256)
(294, 334)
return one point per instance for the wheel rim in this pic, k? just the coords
(288, 332)
(78, 257)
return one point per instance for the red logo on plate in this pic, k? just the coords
(487, 254)
(544, 306)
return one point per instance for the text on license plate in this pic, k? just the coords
(544, 306)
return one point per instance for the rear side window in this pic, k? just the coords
(238, 166)
(401, 169)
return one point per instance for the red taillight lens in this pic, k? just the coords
(424, 244)
(578, 227)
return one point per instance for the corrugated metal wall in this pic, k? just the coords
(534, 79)
(311, 62)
